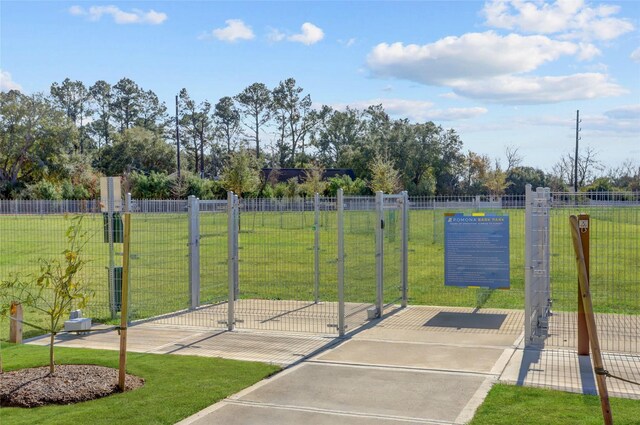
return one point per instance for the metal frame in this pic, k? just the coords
(340, 266)
(193, 209)
(537, 263)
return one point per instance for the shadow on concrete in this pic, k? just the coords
(446, 319)
(587, 378)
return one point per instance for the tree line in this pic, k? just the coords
(58, 144)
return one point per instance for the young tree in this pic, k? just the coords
(384, 176)
(57, 288)
(313, 181)
(241, 174)
(255, 105)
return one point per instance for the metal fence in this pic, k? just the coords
(327, 265)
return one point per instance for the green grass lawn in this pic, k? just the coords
(508, 405)
(277, 259)
(175, 386)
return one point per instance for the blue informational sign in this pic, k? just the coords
(476, 251)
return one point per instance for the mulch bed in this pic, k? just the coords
(70, 384)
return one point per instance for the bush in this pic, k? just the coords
(153, 186)
(350, 187)
(44, 190)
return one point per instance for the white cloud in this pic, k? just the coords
(570, 18)
(347, 43)
(635, 55)
(234, 31)
(415, 110)
(310, 34)
(7, 83)
(136, 16)
(626, 112)
(472, 55)
(535, 90)
(275, 35)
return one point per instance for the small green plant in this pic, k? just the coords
(56, 288)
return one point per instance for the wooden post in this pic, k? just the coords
(583, 279)
(15, 323)
(583, 334)
(124, 301)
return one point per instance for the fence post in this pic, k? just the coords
(341, 312)
(316, 247)
(379, 253)
(15, 323)
(127, 203)
(193, 208)
(112, 279)
(583, 334)
(236, 247)
(231, 260)
(405, 247)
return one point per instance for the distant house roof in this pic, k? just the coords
(284, 174)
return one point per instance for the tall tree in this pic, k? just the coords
(101, 97)
(335, 134)
(197, 128)
(152, 113)
(126, 103)
(35, 138)
(294, 115)
(73, 98)
(255, 106)
(136, 149)
(226, 118)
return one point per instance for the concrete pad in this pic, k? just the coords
(233, 414)
(566, 371)
(139, 338)
(454, 337)
(269, 347)
(374, 391)
(426, 356)
(277, 348)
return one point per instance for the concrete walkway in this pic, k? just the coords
(420, 365)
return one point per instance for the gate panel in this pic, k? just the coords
(614, 272)
(277, 278)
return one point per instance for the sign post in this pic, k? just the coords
(477, 251)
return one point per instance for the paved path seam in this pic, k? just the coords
(337, 412)
(403, 368)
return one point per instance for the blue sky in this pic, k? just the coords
(502, 73)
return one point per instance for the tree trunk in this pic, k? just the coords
(51, 358)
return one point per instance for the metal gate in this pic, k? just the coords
(552, 287)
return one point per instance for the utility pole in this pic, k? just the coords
(575, 159)
(177, 137)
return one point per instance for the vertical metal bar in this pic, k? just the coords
(127, 203)
(379, 253)
(112, 285)
(528, 265)
(230, 261)
(405, 247)
(341, 311)
(236, 247)
(193, 208)
(316, 247)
